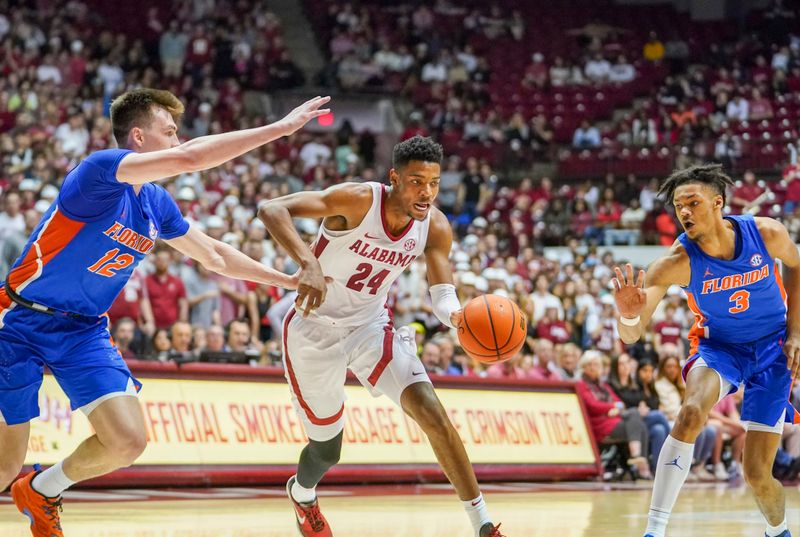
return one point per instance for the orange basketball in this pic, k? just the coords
(492, 329)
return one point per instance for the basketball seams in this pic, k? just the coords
(491, 325)
(513, 323)
(465, 322)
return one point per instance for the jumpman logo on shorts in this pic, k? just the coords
(674, 462)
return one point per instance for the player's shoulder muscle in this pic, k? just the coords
(673, 268)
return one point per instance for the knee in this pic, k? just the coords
(691, 418)
(127, 446)
(758, 477)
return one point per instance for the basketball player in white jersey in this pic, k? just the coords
(369, 234)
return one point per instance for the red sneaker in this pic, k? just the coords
(310, 521)
(490, 530)
(42, 511)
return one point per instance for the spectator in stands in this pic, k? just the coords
(632, 393)
(671, 388)
(598, 69)
(12, 220)
(567, 357)
(203, 296)
(510, 369)
(73, 135)
(748, 196)
(123, 334)
(667, 331)
(180, 337)
(621, 72)
(738, 109)
(134, 303)
(551, 328)
(166, 292)
(544, 367)
(239, 338)
(760, 107)
(172, 50)
(430, 358)
(602, 329)
(160, 346)
(609, 420)
(559, 73)
(215, 339)
(536, 73)
(654, 49)
(586, 136)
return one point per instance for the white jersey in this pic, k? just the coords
(364, 262)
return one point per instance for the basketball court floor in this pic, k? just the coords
(526, 510)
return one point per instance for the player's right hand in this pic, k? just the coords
(297, 118)
(311, 288)
(629, 295)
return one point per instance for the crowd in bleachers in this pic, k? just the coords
(61, 68)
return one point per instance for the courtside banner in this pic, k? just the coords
(219, 422)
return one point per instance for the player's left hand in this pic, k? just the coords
(455, 318)
(792, 351)
(297, 118)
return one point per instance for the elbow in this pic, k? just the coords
(188, 160)
(269, 210)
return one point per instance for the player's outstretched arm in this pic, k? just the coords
(348, 201)
(637, 298)
(781, 246)
(210, 151)
(224, 259)
(445, 302)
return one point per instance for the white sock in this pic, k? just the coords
(52, 482)
(774, 531)
(673, 466)
(302, 494)
(477, 512)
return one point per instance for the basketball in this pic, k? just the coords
(492, 329)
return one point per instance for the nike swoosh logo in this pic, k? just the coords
(301, 520)
(367, 235)
(415, 373)
(475, 503)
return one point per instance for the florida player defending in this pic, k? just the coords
(369, 235)
(741, 335)
(106, 218)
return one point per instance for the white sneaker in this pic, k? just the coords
(720, 472)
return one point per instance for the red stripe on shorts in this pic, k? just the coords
(296, 387)
(386, 357)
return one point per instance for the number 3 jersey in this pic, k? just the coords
(364, 262)
(739, 300)
(91, 238)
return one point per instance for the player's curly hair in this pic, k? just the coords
(420, 148)
(705, 174)
(135, 109)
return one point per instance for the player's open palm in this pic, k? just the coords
(304, 113)
(629, 294)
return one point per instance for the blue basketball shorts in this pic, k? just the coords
(761, 367)
(79, 353)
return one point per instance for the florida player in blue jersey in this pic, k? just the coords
(746, 332)
(107, 217)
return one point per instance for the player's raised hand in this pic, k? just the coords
(792, 351)
(629, 295)
(304, 113)
(311, 288)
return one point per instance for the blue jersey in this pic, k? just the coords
(740, 300)
(91, 238)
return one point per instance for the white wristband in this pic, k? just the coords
(630, 321)
(444, 301)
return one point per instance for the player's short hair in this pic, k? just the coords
(135, 109)
(706, 174)
(420, 148)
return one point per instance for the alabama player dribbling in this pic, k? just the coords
(369, 234)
